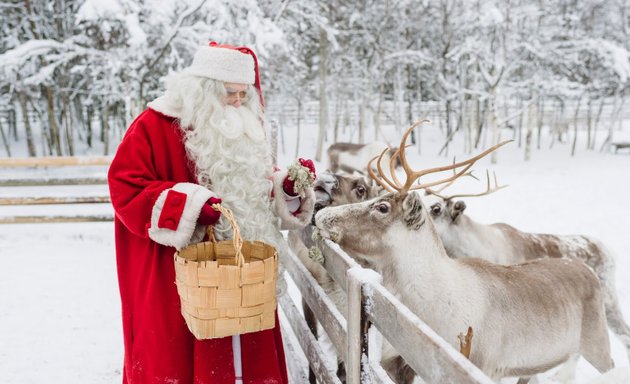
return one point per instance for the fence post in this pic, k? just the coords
(357, 322)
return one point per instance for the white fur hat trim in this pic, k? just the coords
(225, 64)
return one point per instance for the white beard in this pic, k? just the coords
(232, 159)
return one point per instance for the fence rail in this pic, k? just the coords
(371, 306)
(54, 161)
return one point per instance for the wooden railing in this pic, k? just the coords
(369, 305)
(40, 183)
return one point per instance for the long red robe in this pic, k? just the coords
(158, 346)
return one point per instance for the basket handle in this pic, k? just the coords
(236, 233)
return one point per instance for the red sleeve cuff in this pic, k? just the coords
(172, 210)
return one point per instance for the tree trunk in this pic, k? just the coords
(599, 115)
(323, 113)
(5, 140)
(472, 122)
(52, 121)
(377, 115)
(68, 126)
(89, 134)
(337, 119)
(448, 118)
(495, 129)
(105, 129)
(589, 122)
(362, 119)
(482, 108)
(530, 130)
(575, 125)
(540, 111)
(299, 120)
(398, 102)
(12, 120)
(519, 129)
(346, 117)
(30, 143)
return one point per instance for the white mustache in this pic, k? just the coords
(239, 121)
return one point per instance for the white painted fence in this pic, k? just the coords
(369, 305)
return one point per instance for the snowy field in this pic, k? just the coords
(60, 316)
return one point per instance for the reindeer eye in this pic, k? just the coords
(382, 207)
(436, 209)
(360, 191)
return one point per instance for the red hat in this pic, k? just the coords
(227, 63)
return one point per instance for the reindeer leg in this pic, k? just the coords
(398, 370)
(341, 371)
(594, 342)
(566, 373)
(614, 317)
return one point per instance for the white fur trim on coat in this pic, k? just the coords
(188, 231)
(224, 64)
(288, 220)
(165, 105)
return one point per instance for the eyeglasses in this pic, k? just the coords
(236, 95)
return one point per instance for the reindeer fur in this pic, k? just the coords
(503, 244)
(351, 157)
(330, 189)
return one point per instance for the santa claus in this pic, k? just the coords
(201, 143)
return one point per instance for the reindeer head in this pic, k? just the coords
(446, 211)
(333, 189)
(372, 227)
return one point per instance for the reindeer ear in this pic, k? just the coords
(412, 210)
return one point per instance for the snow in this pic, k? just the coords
(31, 48)
(620, 58)
(60, 315)
(94, 10)
(138, 37)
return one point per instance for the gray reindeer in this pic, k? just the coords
(503, 244)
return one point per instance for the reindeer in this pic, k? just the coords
(527, 318)
(463, 237)
(330, 190)
(351, 157)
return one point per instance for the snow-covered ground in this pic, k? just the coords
(60, 316)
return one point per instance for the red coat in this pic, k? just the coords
(157, 202)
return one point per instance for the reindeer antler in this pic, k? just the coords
(464, 342)
(488, 190)
(393, 184)
(443, 187)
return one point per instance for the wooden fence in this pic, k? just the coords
(41, 183)
(369, 305)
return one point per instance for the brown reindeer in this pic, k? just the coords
(351, 157)
(527, 318)
(503, 244)
(330, 190)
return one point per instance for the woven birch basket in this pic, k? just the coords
(227, 287)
